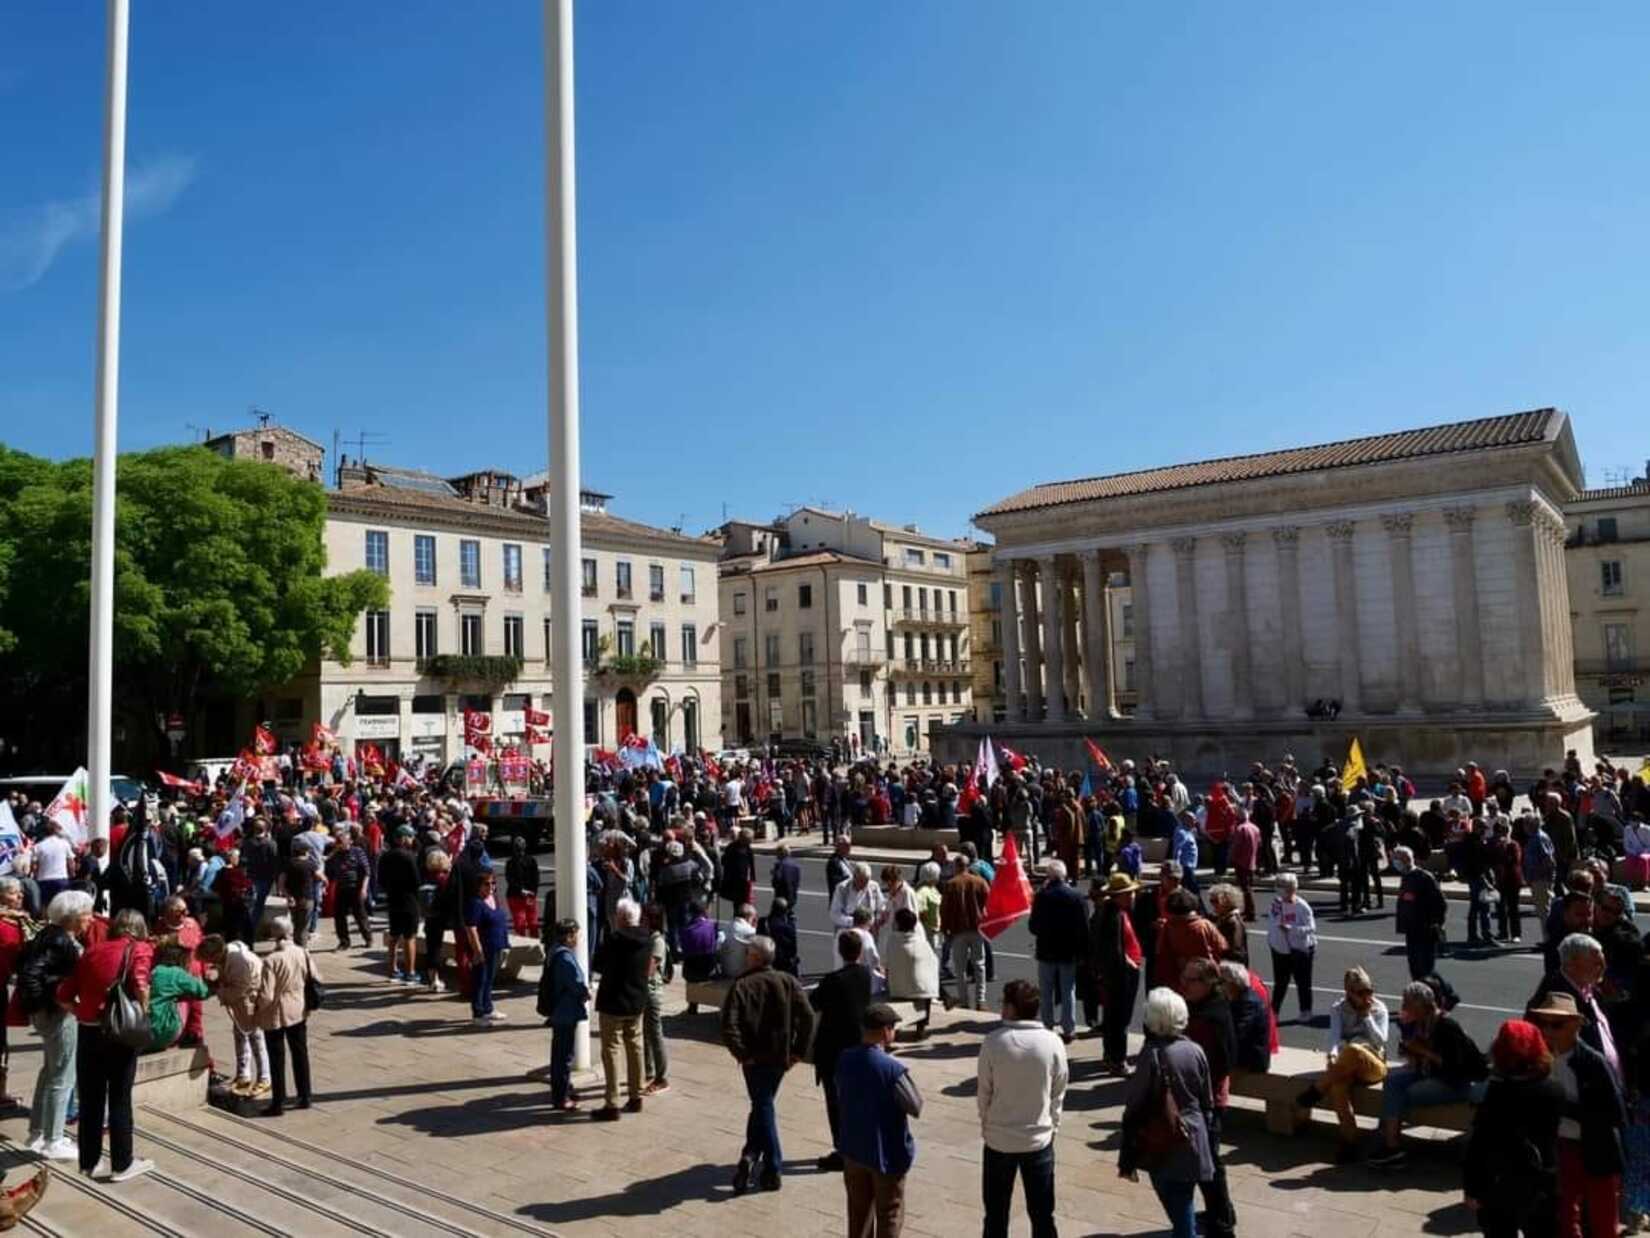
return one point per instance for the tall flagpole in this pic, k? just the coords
(566, 666)
(100, 706)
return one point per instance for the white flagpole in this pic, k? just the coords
(100, 706)
(566, 665)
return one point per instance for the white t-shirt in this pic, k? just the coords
(51, 858)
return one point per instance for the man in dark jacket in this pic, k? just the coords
(767, 1025)
(786, 878)
(1116, 956)
(1210, 1025)
(1421, 913)
(840, 1000)
(1579, 970)
(1590, 1158)
(738, 870)
(1251, 1020)
(625, 961)
(840, 867)
(1060, 927)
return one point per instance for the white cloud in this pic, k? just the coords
(31, 238)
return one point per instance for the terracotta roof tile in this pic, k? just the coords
(529, 522)
(1633, 490)
(1511, 430)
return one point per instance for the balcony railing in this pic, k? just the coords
(865, 657)
(942, 618)
(931, 666)
(587, 590)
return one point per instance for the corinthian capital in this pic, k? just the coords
(1287, 536)
(1398, 524)
(1183, 546)
(1459, 519)
(1522, 512)
(1234, 542)
(1340, 530)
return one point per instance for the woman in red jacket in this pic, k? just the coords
(106, 1069)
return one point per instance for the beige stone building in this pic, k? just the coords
(468, 624)
(840, 627)
(1415, 580)
(273, 444)
(1607, 556)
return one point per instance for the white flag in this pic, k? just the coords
(69, 806)
(11, 838)
(985, 763)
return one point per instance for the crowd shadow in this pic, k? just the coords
(458, 1025)
(487, 1115)
(424, 1086)
(1450, 1219)
(647, 1197)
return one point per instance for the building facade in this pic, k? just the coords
(468, 623)
(839, 627)
(273, 444)
(1407, 589)
(1607, 557)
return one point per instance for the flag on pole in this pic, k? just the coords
(1010, 897)
(534, 736)
(173, 780)
(639, 753)
(322, 737)
(1087, 789)
(1099, 757)
(264, 742)
(11, 838)
(535, 717)
(233, 817)
(69, 806)
(1354, 767)
(985, 763)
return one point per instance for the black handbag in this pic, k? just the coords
(315, 993)
(124, 1019)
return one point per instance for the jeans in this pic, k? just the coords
(104, 1072)
(1036, 1171)
(762, 1126)
(561, 1062)
(654, 1056)
(277, 1040)
(251, 1054)
(876, 1201)
(1296, 966)
(628, 1030)
(1179, 1205)
(481, 983)
(966, 952)
(1478, 912)
(60, 1033)
(1058, 981)
(1405, 1090)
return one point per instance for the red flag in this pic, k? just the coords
(606, 756)
(314, 759)
(172, 780)
(371, 757)
(970, 793)
(264, 742)
(1100, 758)
(1016, 762)
(1010, 896)
(673, 767)
(478, 721)
(246, 767)
(712, 769)
(322, 737)
(535, 717)
(536, 737)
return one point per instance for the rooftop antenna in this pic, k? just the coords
(201, 433)
(261, 415)
(365, 439)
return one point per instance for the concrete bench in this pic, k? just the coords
(173, 1080)
(711, 993)
(1293, 1070)
(522, 952)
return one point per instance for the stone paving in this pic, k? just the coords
(405, 1084)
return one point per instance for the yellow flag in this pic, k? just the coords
(1644, 772)
(1354, 767)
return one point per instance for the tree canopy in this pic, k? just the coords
(219, 579)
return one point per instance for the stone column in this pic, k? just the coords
(1469, 636)
(1561, 602)
(1054, 660)
(1286, 538)
(1097, 624)
(1071, 645)
(1398, 526)
(1237, 625)
(1524, 515)
(1145, 692)
(1009, 621)
(1032, 635)
(1191, 643)
(1346, 614)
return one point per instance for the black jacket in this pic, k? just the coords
(521, 875)
(1210, 1026)
(1556, 982)
(840, 1000)
(1253, 1031)
(738, 872)
(1517, 1118)
(1059, 924)
(1421, 906)
(622, 961)
(787, 881)
(46, 960)
(1599, 1108)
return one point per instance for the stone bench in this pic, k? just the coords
(522, 952)
(1294, 1069)
(173, 1080)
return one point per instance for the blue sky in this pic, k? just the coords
(902, 257)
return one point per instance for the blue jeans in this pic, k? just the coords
(1405, 1090)
(1179, 1205)
(762, 1127)
(561, 1062)
(60, 1033)
(1058, 980)
(482, 971)
(1036, 1170)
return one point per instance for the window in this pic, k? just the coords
(429, 703)
(1606, 528)
(770, 649)
(739, 603)
(378, 551)
(925, 647)
(547, 569)
(951, 594)
(655, 582)
(956, 692)
(624, 638)
(424, 632)
(913, 557)
(469, 563)
(910, 694)
(810, 719)
(922, 599)
(1618, 646)
(996, 633)
(865, 682)
(656, 641)
(927, 693)
(770, 598)
(905, 596)
(546, 639)
(942, 560)
(512, 567)
(592, 722)
(690, 645)
(804, 597)
(910, 646)
(590, 640)
(587, 577)
(954, 655)
(690, 591)
(996, 602)
(378, 638)
(805, 648)
(742, 686)
(773, 687)
(807, 683)
(471, 644)
(890, 637)
(1610, 569)
(1127, 613)
(741, 652)
(424, 559)
(863, 593)
(887, 597)
(1128, 673)
(515, 643)
(621, 577)
(268, 449)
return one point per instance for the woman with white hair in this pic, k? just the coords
(1172, 1064)
(1292, 935)
(283, 1015)
(46, 962)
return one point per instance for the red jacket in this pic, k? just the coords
(1220, 818)
(85, 990)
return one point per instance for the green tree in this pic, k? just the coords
(219, 582)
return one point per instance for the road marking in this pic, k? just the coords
(1520, 955)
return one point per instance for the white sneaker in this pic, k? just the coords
(136, 1169)
(64, 1149)
(437, 987)
(101, 1170)
(496, 1016)
(37, 1142)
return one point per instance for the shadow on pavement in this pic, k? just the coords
(645, 1198)
(486, 1115)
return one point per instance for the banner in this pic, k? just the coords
(11, 838)
(172, 780)
(515, 770)
(475, 776)
(371, 757)
(534, 737)
(1099, 757)
(639, 753)
(1010, 897)
(1354, 767)
(69, 806)
(985, 764)
(264, 742)
(233, 817)
(1016, 762)
(535, 717)
(322, 737)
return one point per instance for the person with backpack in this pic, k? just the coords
(1166, 1111)
(563, 1003)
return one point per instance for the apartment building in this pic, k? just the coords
(841, 627)
(468, 624)
(1607, 560)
